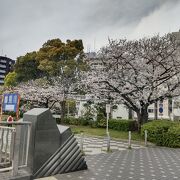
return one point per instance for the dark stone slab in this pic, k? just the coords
(51, 145)
(45, 137)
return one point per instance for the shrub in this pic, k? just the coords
(74, 121)
(83, 121)
(122, 125)
(173, 136)
(119, 125)
(101, 123)
(93, 124)
(163, 133)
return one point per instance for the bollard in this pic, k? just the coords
(82, 140)
(145, 137)
(108, 142)
(129, 140)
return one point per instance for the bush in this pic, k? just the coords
(122, 125)
(163, 133)
(74, 121)
(101, 123)
(173, 136)
(119, 125)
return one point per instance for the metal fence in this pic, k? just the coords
(7, 135)
(14, 145)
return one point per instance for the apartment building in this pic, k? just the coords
(6, 65)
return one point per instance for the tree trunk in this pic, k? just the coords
(130, 115)
(46, 103)
(155, 110)
(142, 117)
(62, 103)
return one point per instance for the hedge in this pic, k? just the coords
(74, 121)
(120, 125)
(173, 136)
(163, 133)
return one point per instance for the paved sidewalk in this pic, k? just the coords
(96, 145)
(136, 164)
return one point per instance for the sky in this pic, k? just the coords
(26, 24)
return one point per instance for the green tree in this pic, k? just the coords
(26, 67)
(62, 61)
(10, 79)
(55, 54)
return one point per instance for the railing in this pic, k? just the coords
(14, 145)
(7, 135)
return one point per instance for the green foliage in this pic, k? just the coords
(173, 136)
(89, 111)
(120, 125)
(26, 67)
(163, 133)
(10, 79)
(74, 121)
(71, 104)
(48, 60)
(102, 132)
(101, 123)
(55, 54)
(101, 111)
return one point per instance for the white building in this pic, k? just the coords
(170, 110)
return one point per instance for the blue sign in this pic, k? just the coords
(161, 110)
(10, 102)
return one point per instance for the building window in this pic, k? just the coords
(150, 110)
(2, 71)
(2, 66)
(2, 76)
(3, 61)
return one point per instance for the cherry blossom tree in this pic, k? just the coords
(137, 73)
(46, 93)
(40, 92)
(53, 89)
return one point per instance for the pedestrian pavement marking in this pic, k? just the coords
(96, 145)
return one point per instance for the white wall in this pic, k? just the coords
(121, 112)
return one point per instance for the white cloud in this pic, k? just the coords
(26, 25)
(162, 21)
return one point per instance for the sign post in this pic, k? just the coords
(108, 110)
(10, 102)
(145, 137)
(129, 140)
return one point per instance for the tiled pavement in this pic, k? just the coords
(96, 145)
(137, 164)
